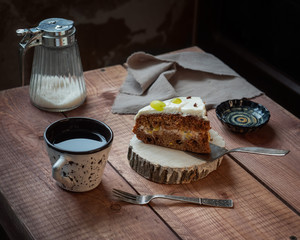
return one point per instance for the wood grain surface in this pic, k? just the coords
(169, 166)
(265, 189)
(40, 208)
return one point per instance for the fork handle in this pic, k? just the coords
(179, 198)
(228, 203)
(260, 150)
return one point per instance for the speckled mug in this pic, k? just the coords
(78, 171)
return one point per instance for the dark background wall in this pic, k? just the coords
(258, 39)
(107, 31)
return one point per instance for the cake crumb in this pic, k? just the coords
(195, 105)
(189, 97)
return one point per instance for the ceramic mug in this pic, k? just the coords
(78, 149)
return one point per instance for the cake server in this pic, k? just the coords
(144, 199)
(217, 152)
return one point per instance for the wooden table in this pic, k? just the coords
(265, 189)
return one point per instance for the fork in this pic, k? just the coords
(145, 199)
(217, 152)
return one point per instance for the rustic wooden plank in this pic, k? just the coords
(33, 204)
(257, 213)
(229, 181)
(280, 174)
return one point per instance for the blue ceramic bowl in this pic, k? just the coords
(242, 115)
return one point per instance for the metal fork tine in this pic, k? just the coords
(117, 193)
(127, 199)
(125, 194)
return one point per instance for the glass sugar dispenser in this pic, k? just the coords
(56, 82)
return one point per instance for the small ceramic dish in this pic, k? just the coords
(242, 115)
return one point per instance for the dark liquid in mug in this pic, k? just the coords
(79, 141)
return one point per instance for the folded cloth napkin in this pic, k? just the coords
(181, 74)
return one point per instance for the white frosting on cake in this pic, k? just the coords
(189, 106)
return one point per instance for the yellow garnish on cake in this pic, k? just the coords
(176, 100)
(158, 105)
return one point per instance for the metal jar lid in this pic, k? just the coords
(57, 32)
(51, 32)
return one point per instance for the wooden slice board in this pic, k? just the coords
(169, 166)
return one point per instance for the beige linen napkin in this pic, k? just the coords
(181, 74)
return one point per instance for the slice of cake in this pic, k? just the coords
(179, 123)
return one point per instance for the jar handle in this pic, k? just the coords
(32, 37)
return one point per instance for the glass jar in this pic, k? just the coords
(56, 82)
